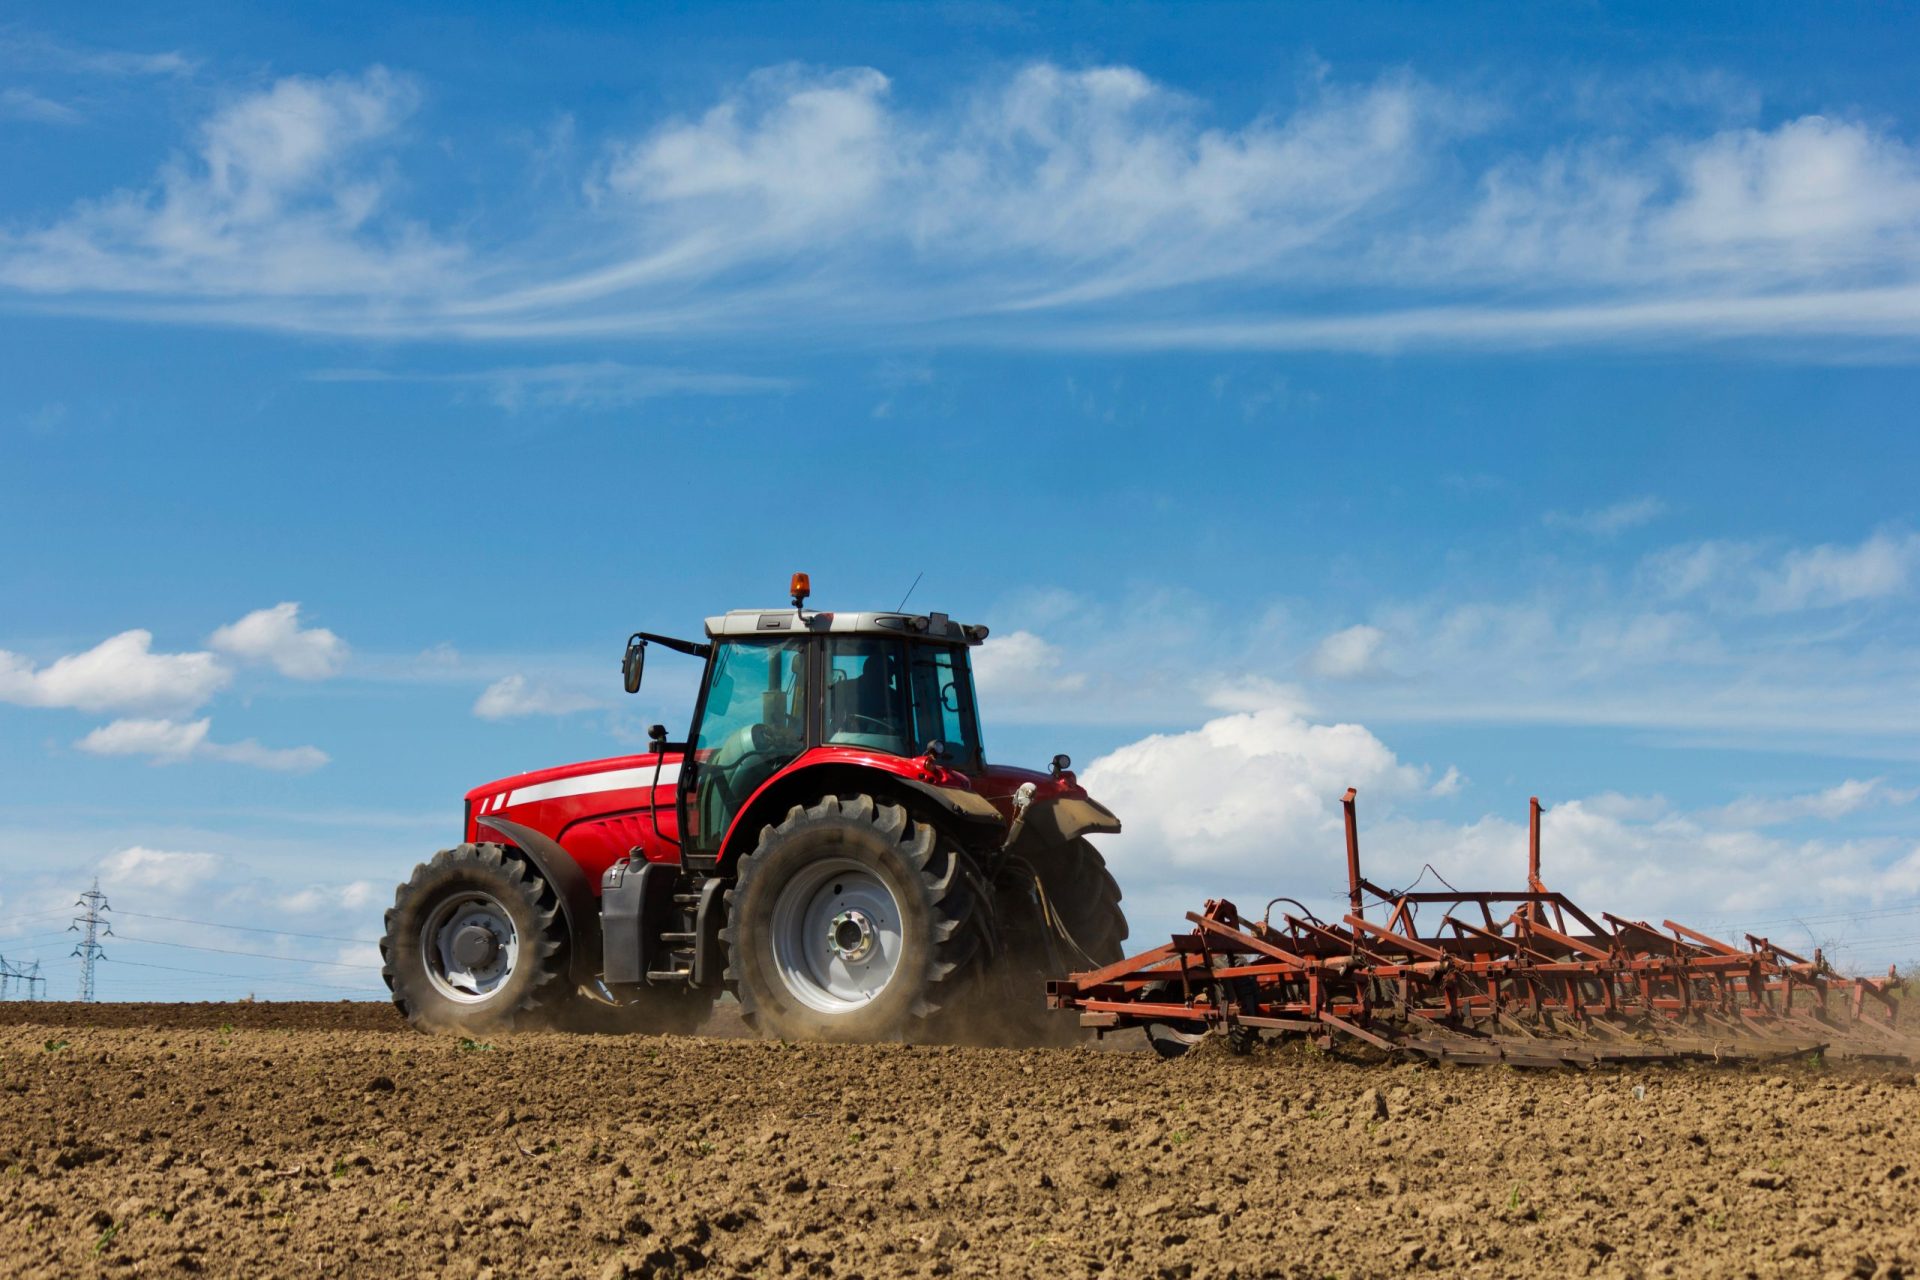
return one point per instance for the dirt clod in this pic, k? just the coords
(157, 1141)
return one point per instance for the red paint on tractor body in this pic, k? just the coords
(601, 811)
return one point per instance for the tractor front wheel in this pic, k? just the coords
(851, 920)
(474, 941)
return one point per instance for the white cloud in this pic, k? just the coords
(24, 104)
(1352, 654)
(22, 49)
(1827, 575)
(1834, 802)
(1609, 521)
(1746, 575)
(602, 384)
(1021, 665)
(279, 199)
(352, 897)
(1248, 807)
(513, 695)
(1812, 199)
(158, 871)
(174, 742)
(167, 741)
(1085, 206)
(276, 636)
(121, 673)
(1256, 788)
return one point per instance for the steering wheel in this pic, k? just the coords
(848, 720)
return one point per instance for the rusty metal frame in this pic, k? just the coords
(1546, 984)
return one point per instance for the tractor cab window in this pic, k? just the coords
(895, 696)
(753, 720)
(943, 708)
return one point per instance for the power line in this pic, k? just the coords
(248, 928)
(257, 955)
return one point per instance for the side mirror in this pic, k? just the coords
(634, 663)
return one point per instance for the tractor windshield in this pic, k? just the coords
(896, 696)
(753, 720)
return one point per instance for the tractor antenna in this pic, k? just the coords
(903, 599)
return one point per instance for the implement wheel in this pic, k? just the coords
(851, 920)
(474, 941)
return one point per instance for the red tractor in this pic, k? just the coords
(829, 845)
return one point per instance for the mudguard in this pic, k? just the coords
(1052, 822)
(962, 806)
(569, 885)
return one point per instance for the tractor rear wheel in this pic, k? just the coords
(851, 920)
(475, 941)
(1086, 902)
(1072, 924)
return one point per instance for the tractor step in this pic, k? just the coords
(678, 939)
(669, 975)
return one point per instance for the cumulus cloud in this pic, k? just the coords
(1351, 654)
(275, 636)
(1257, 788)
(1248, 807)
(514, 695)
(121, 673)
(174, 742)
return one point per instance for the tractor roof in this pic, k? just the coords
(914, 626)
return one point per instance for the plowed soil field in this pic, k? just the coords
(303, 1140)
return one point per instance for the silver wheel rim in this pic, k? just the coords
(836, 936)
(469, 946)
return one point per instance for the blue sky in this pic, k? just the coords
(1459, 403)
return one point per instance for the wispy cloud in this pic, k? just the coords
(1751, 576)
(1609, 521)
(36, 51)
(24, 104)
(514, 696)
(1092, 207)
(601, 384)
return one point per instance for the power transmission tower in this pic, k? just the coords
(96, 928)
(6, 974)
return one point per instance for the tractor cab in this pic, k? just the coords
(780, 683)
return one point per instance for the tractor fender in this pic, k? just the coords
(819, 773)
(952, 802)
(569, 886)
(1052, 822)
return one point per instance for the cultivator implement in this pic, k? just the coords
(1525, 978)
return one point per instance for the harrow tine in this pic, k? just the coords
(1526, 990)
